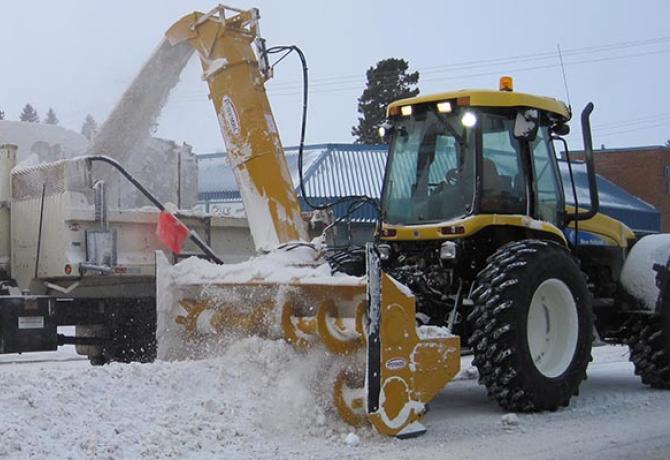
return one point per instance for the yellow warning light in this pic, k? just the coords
(506, 84)
(406, 110)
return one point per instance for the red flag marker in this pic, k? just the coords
(171, 232)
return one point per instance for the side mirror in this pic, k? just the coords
(561, 129)
(384, 131)
(526, 124)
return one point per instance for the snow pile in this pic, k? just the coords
(258, 396)
(638, 276)
(252, 403)
(292, 263)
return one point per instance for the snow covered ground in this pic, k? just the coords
(262, 400)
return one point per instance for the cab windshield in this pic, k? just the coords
(431, 172)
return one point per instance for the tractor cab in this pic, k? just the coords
(466, 153)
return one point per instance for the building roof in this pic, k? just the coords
(332, 171)
(644, 148)
(217, 181)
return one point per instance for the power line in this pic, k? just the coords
(343, 86)
(633, 121)
(665, 124)
(466, 65)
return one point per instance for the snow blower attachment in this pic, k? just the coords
(390, 368)
(390, 371)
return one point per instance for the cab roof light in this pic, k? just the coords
(444, 107)
(506, 84)
(465, 100)
(394, 111)
(406, 110)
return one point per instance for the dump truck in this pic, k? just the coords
(476, 245)
(68, 260)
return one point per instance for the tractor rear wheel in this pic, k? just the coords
(649, 344)
(532, 326)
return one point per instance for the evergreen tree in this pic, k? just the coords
(29, 114)
(2, 115)
(386, 82)
(89, 128)
(51, 118)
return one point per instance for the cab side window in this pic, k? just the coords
(548, 193)
(503, 183)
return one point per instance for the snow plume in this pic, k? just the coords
(135, 116)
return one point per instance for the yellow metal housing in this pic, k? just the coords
(611, 230)
(237, 90)
(489, 98)
(413, 370)
(468, 227)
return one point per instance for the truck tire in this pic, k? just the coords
(129, 332)
(133, 339)
(649, 344)
(531, 326)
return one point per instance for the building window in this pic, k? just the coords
(666, 171)
(667, 187)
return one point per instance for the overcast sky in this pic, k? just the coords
(78, 57)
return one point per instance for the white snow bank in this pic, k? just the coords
(257, 396)
(638, 276)
(251, 403)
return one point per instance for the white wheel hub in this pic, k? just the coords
(552, 327)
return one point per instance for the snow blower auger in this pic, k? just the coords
(288, 292)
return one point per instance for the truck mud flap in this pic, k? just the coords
(27, 323)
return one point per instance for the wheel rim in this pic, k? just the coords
(552, 327)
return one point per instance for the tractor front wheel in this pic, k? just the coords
(532, 326)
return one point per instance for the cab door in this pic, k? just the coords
(548, 198)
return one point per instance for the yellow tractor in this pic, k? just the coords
(475, 222)
(476, 244)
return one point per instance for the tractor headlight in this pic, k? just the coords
(384, 251)
(469, 119)
(448, 250)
